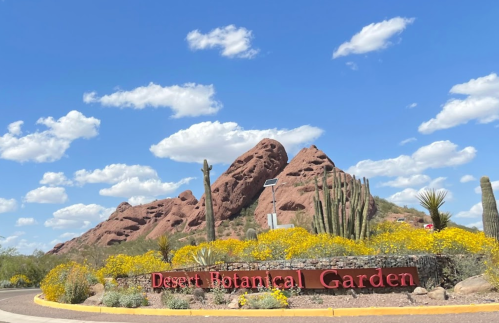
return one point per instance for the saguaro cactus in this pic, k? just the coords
(490, 215)
(210, 221)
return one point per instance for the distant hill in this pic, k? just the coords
(388, 211)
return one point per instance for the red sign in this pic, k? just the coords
(284, 279)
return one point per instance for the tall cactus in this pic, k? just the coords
(332, 219)
(210, 220)
(490, 215)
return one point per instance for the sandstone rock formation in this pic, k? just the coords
(295, 188)
(244, 179)
(130, 222)
(240, 185)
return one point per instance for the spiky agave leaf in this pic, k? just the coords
(432, 200)
(204, 257)
(444, 219)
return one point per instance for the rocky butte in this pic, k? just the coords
(241, 184)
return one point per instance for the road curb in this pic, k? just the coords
(329, 312)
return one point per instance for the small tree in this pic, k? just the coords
(432, 200)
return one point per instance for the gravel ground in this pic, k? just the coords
(344, 301)
(24, 305)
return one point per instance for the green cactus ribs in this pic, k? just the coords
(490, 215)
(331, 215)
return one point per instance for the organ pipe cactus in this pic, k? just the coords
(210, 221)
(331, 216)
(490, 215)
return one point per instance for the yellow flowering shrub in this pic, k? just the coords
(53, 285)
(324, 245)
(20, 281)
(273, 298)
(222, 250)
(492, 267)
(389, 238)
(124, 266)
(401, 238)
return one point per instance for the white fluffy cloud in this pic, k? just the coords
(435, 155)
(409, 195)
(133, 187)
(7, 205)
(12, 238)
(467, 178)
(188, 100)
(414, 180)
(49, 145)
(55, 179)
(481, 104)
(46, 194)
(474, 212)
(412, 105)
(25, 221)
(115, 173)
(373, 37)
(78, 216)
(408, 140)
(495, 187)
(224, 142)
(138, 200)
(234, 42)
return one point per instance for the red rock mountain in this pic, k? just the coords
(241, 184)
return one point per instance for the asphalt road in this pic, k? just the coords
(21, 302)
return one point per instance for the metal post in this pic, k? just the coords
(273, 198)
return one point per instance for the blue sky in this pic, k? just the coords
(104, 102)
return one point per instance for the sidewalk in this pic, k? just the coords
(18, 318)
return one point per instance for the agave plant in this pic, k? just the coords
(432, 200)
(204, 257)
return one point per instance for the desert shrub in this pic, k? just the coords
(218, 294)
(111, 299)
(66, 276)
(492, 267)
(462, 268)
(198, 294)
(76, 287)
(131, 300)
(268, 300)
(124, 266)
(5, 284)
(19, 281)
(177, 303)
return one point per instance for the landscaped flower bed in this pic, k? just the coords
(71, 282)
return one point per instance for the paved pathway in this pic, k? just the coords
(17, 307)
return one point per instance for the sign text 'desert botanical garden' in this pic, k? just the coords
(284, 279)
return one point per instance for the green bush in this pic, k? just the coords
(266, 301)
(131, 300)
(111, 299)
(219, 294)
(5, 284)
(176, 303)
